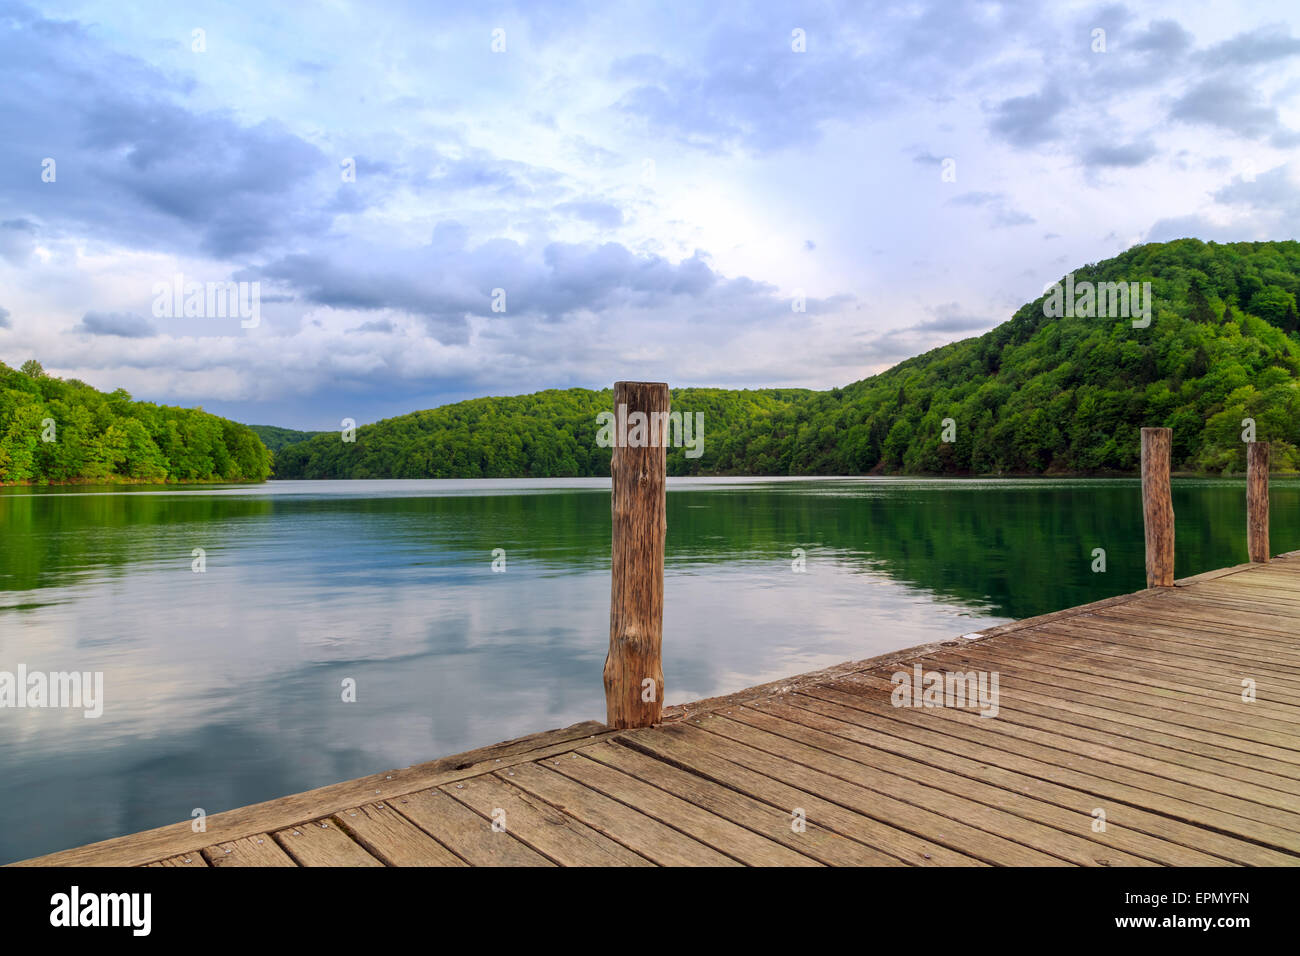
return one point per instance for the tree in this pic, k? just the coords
(1273, 304)
(57, 430)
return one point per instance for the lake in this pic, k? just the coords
(224, 688)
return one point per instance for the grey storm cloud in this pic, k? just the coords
(132, 164)
(1166, 37)
(136, 166)
(1029, 120)
(1264, 45)
(1125, 155)
(17, 240)
(746, 88)
(1273, 192)
(382, 326)
(121, 324)
(1229, 105)
(1005, 217)
(741, 85)
(446, 282)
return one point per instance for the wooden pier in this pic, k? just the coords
(1155, 728)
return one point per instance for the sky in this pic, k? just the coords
(438, 201)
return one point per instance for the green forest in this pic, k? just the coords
(550, 434)
(274, 437)
(1036, 395)
(63, 431)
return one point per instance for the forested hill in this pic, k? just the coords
(274, 437)
(543, 435)
(1037, 394)
(1068, 395)
(56, 430)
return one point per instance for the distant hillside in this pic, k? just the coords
(1068, 395)
(56, 430)
(1034, 395)
(546, 434)
(274, 437)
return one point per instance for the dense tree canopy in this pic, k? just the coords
(274, 437)
(543, 435)
(56, 430)
(1034, 395)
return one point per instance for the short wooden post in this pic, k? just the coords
(634, 674)
(1257, 460)
(1158, 506)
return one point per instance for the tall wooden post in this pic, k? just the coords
(1158, 506)
(1257, 460)
(634, 674)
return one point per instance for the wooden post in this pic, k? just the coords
(1257, 458)
(636, 606)
(1158, 506)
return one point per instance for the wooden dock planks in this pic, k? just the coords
(1128, 711)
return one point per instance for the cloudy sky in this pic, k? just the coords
(652, 186)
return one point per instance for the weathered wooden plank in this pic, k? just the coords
(1202, 607)
(1193, 579)
(674, 745)
(389, 836)
(1135, 831)
(323, 843)
(1196, 631)
(904, 779)
(1065, 764)
(711, 829)
(1083, 706)
(192, 861)
(961, 732)
(1174, 725)
(1208, 620)
(1054, 724)
(540, 825)
(635, 830)
(1203, 658)
(1167, 706)
(1224, 702)
(1192, 627)
(464, 832)
(792, 763)
(1281, 699)
(1043, 825)
(764, 819)
(256, 850)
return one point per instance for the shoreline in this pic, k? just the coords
(1017, 476)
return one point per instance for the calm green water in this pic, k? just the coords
(224, 688)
